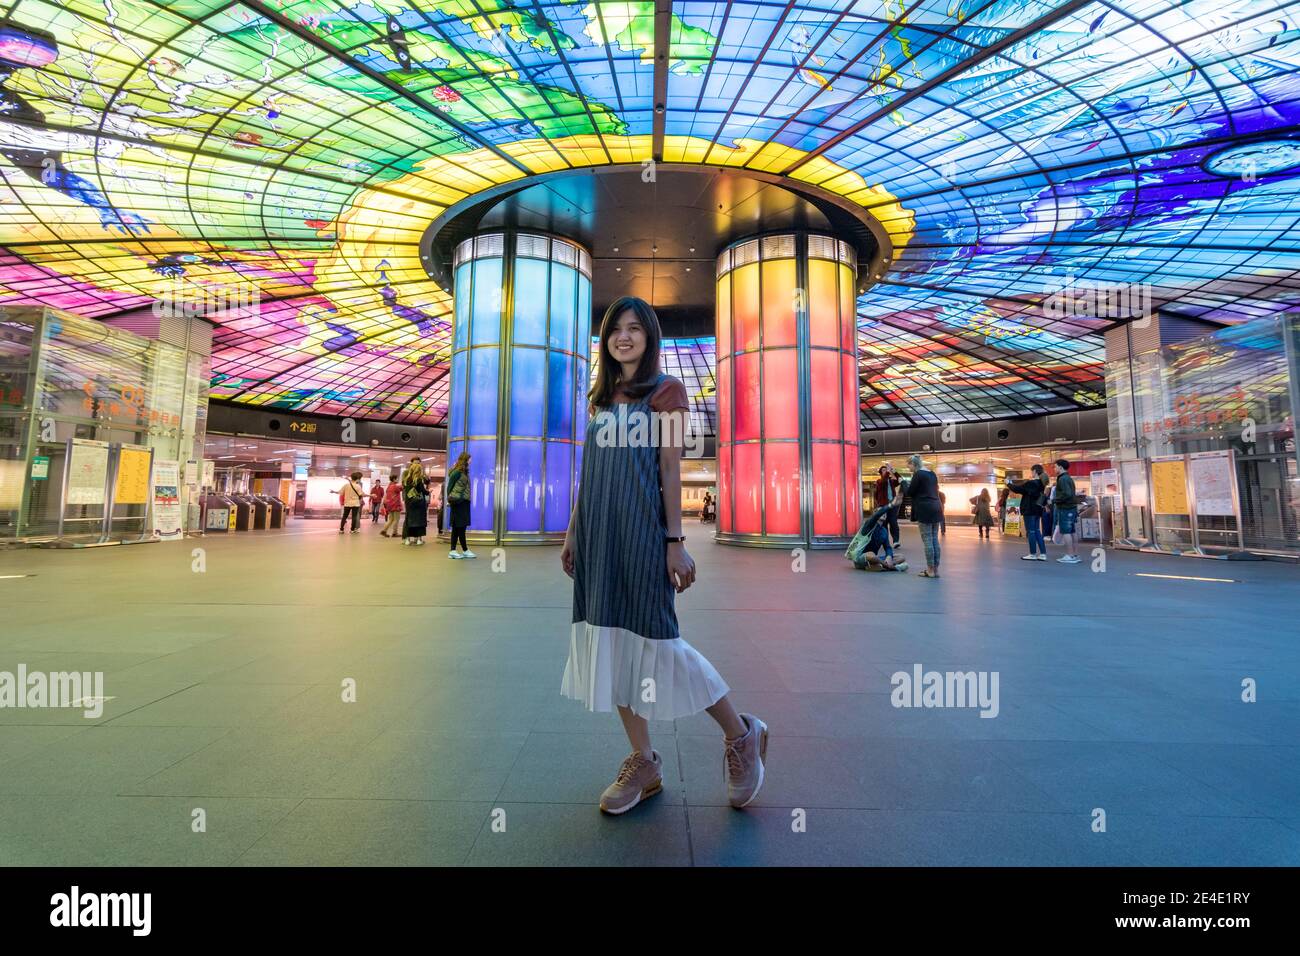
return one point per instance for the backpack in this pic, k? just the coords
(459, 490)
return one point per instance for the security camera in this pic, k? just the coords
(925, 448)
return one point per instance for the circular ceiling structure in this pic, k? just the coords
(657, 236)
(301, 149)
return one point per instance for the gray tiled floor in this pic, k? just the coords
(226, 694)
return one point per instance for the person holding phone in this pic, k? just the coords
(1033, 498)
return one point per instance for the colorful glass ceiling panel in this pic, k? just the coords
(295, 150)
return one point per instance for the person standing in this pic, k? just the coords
(927, 512)
(1002, 510)
(943, 514)
(1066, 507)
(376, 499)
(1033, 496)
(886, 491)
(392, 507)
(458, 498)
(415, 496)
(983, 512)
(351, 497)
(435, 503)
(627, 556)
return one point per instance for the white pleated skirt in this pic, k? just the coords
(610, 667)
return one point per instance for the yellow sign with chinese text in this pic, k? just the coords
(132, 486)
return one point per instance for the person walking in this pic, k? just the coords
(351, 497)
(1002, 510)
(376, 499)
(415, 496)
(392, 507)
(1033, 498)
(887, 484)
(458, 498)
(943, 514)
(1066, 508)
(627, 556)
(927, 512)
(983, 512)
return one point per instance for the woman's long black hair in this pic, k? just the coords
(608, 369)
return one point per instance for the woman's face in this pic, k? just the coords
(627, 340)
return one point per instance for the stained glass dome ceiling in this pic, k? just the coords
(298, 149)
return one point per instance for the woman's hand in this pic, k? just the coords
(681, 568)
(566, 555)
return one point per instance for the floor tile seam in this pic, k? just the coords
(159, 700)
(248, 849)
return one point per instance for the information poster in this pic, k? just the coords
(1015, 522)
(1169, 487)
(11, 485)
(132, 487)
(87, 473)
(209, 474)
(166, 500)
(1212, 483)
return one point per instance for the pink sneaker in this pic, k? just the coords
(743, 759)
(637, 779)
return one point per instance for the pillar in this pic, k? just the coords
(787, 392)
(519, 373)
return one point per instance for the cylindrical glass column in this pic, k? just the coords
(787, 392)
(519, 373)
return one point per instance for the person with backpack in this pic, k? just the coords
(392, 507)
(1033, 499)
(415, 498)
(458, 492)
(1065, 504)
(350, 497)
(872, 538)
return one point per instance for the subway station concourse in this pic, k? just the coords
(249, 250)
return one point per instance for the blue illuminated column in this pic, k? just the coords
(519, 373)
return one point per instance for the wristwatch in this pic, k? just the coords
(676, 540)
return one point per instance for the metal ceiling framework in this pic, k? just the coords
(300, 149)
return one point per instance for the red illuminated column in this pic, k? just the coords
(787, 392)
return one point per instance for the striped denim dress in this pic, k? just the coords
(625, 648)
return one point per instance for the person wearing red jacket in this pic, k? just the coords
(376, 499)
(392, 507)
(886, 491)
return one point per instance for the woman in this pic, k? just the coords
(983, 512)
(927, 512)
(458, 496)
(627, 556)
(392, 507)
(376, 499)
(415, 495)
(351, 497)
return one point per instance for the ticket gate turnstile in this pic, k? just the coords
(275, 511)
(250, 513)
(218, 513)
